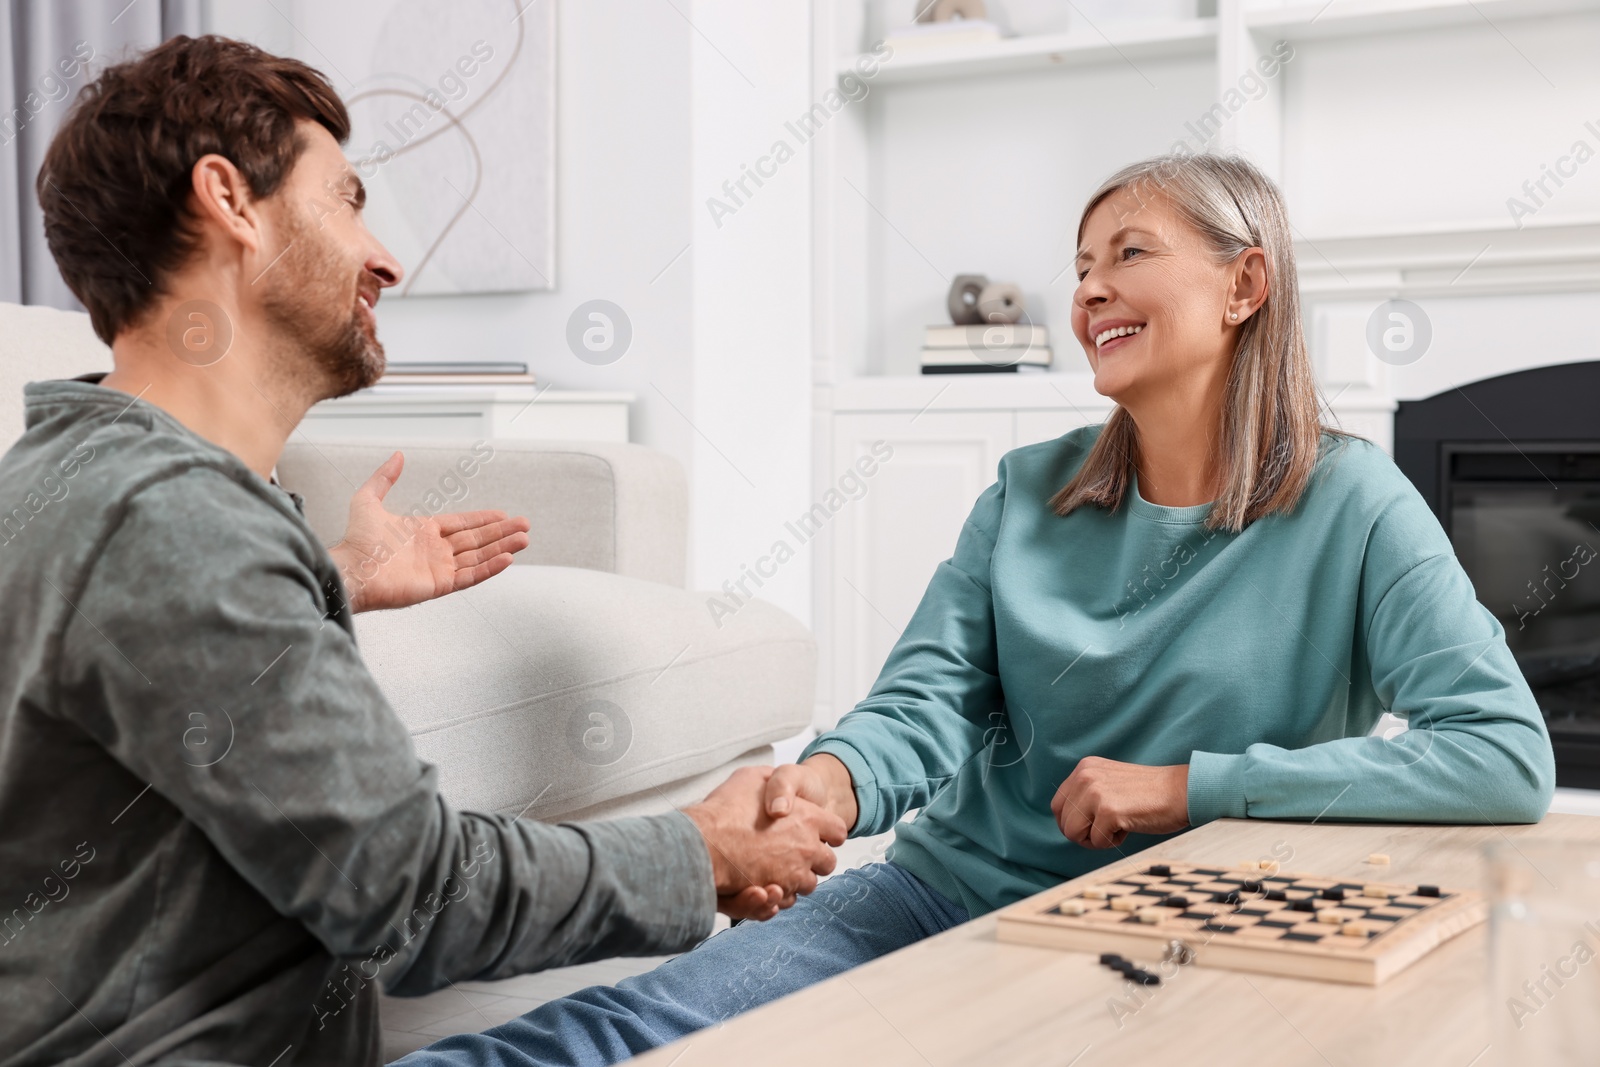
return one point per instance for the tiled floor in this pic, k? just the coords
(412, 1022)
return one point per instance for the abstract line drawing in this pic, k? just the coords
(452, 111)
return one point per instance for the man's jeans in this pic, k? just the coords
(853, 917)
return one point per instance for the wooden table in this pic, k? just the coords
(964, 998)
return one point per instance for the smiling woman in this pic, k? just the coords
(1187, 288)
(1206, 622)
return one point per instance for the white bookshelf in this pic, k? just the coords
(947, 115)
(1189, 37)
(1397, 131)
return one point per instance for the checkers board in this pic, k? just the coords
(1248, 917)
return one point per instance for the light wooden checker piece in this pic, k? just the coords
(1247, 918)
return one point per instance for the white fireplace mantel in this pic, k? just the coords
(1468, 260)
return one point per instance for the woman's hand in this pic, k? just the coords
(1103, 801)
(822, 780)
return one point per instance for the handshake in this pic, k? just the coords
(771, 833)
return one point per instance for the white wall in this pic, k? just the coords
(1407, 132)
(751, 297)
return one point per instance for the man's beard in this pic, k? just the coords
(311, 304)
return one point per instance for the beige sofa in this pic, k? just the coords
(585, 681)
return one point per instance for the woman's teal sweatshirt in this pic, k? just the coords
(1261, 659)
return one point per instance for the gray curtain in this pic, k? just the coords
(48, 50)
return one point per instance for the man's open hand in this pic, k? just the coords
(392, 561)
(762, 864)
(1103, 801)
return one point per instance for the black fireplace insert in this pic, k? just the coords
(1511, 465)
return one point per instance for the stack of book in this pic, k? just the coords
(987, 347)
(400, 373)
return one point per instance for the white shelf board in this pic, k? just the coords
(1131, 43)
(1018, 391)
(967, 392)
(389, 392)
(463, 412)
(1350, 18)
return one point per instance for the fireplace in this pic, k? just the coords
(1511, 465)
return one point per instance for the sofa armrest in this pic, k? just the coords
(620, 508)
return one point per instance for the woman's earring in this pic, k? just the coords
(1233, 315)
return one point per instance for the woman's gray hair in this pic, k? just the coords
(1267, 445)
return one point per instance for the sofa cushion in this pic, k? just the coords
(551, 689)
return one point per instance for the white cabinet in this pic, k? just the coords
(884, 546)
(469, 413)
(1049, 423)
(947, 433)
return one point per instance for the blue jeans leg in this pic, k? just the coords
(853, 917)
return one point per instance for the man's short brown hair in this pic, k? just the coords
(115, 183)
